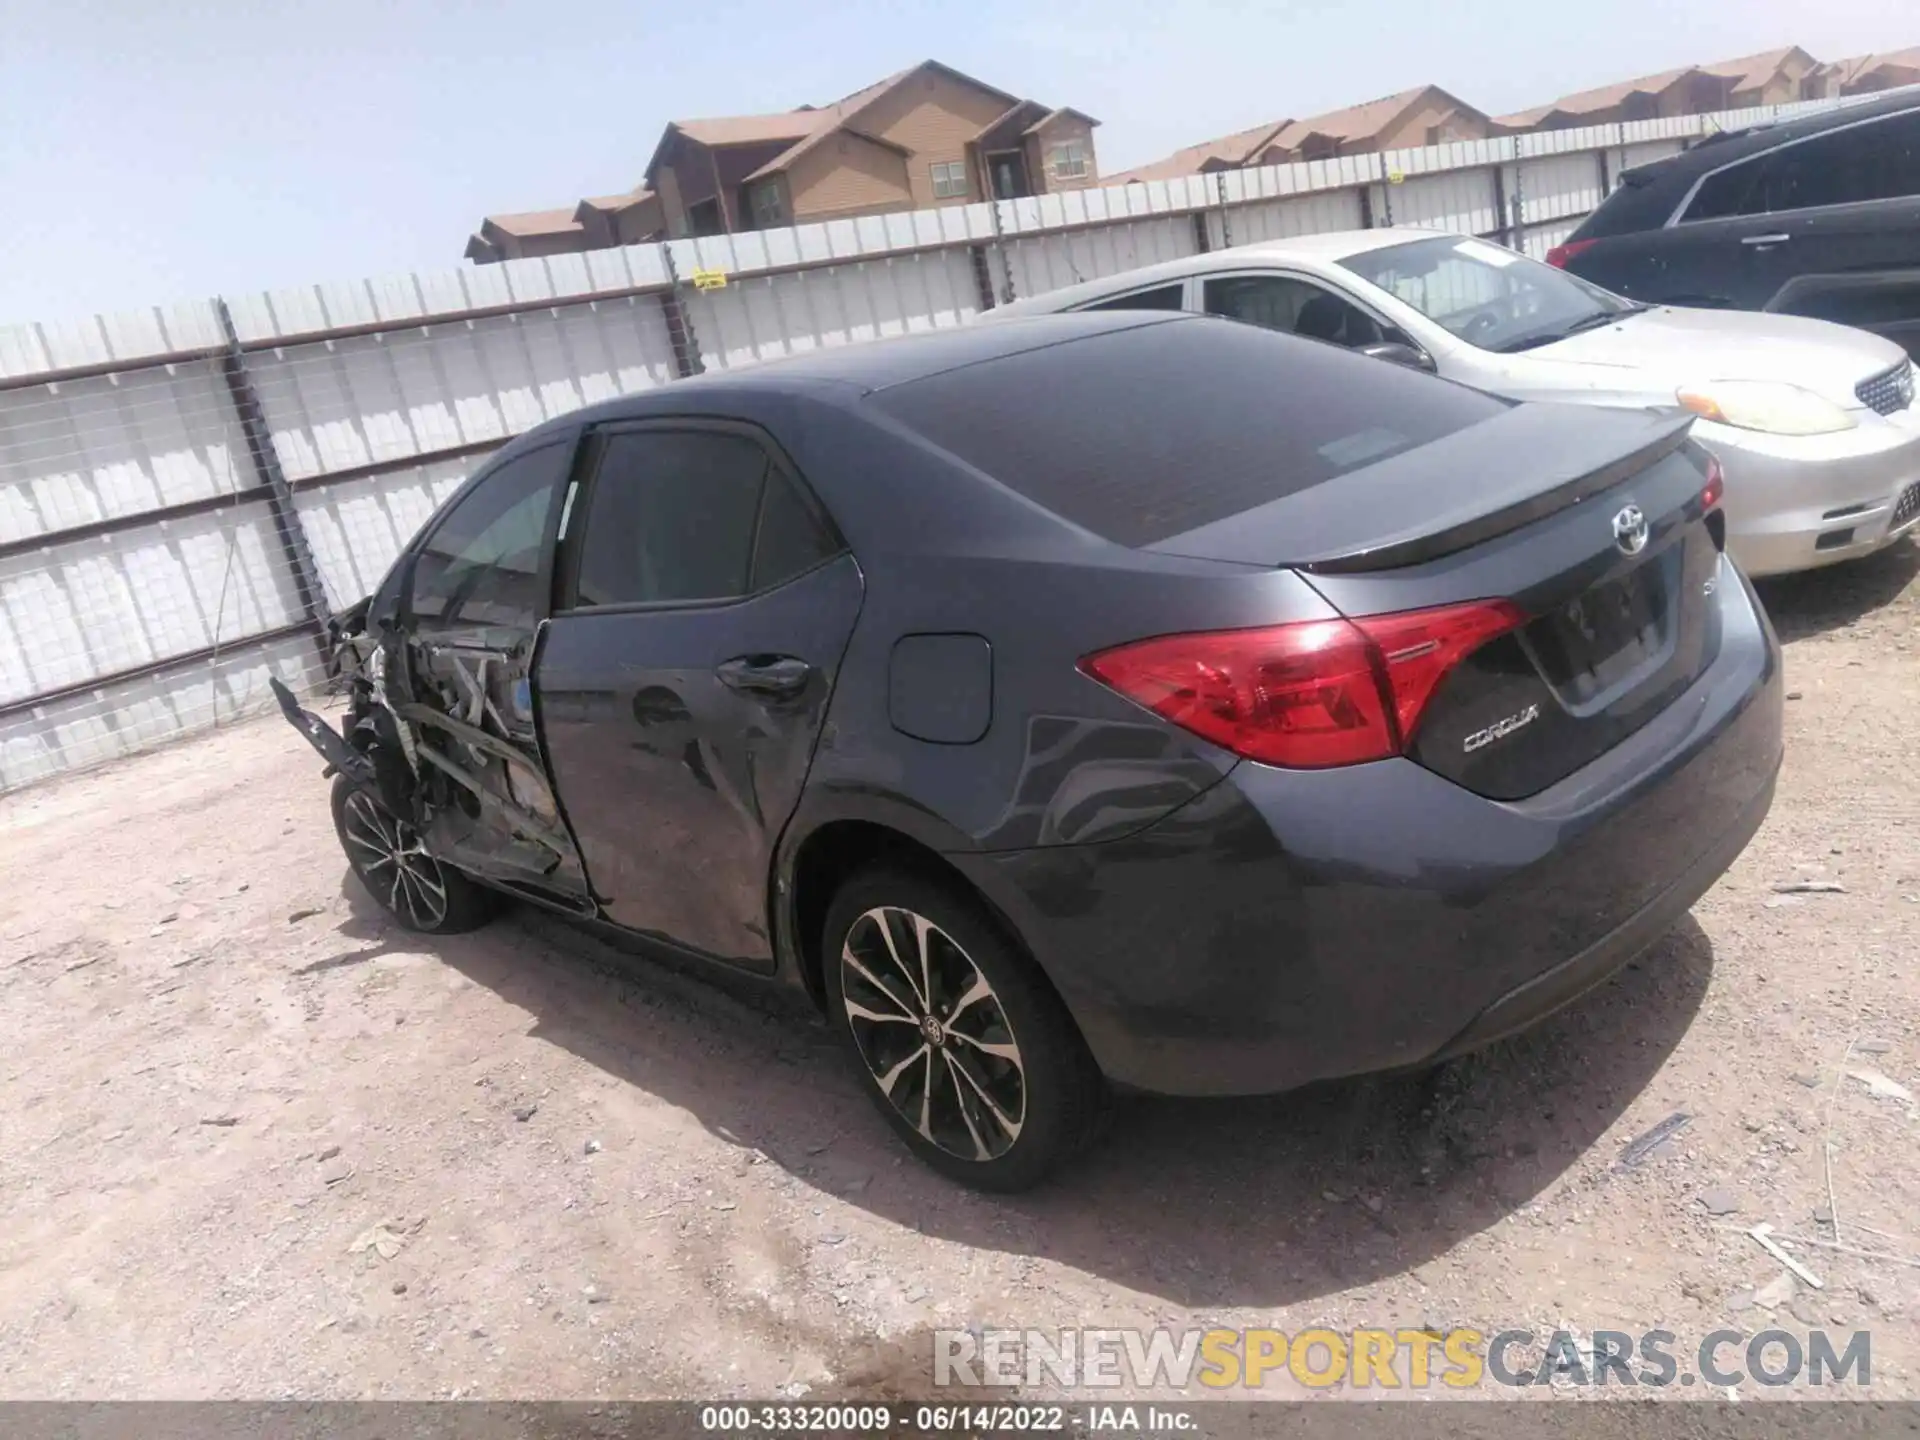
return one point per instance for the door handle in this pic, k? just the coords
(1765, 239)
(780, 676)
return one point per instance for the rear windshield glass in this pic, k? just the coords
(1643, 201)
(1146, 433)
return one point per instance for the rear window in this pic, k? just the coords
(1146, 433)
(1645, 199)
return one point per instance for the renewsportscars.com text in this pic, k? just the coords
(1384, 1360)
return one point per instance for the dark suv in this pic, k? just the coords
(1816, 216)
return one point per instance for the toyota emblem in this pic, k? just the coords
(1630, 530)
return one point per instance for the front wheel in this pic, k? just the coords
(387, 855)
(969, 1054)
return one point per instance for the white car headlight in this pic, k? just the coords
(1772, 406)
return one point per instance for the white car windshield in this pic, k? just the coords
(1488, 296)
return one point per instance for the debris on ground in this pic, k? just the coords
(1646, 1145)
(1881, 1087)
(382, 1241)
(1719, 1202)
(1809, 887)
(1764, 1234)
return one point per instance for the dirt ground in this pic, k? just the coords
(257, 1143)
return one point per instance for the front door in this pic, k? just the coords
(475, 598)
(706, 603)
(1008, 169)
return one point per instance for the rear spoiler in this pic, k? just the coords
(1463, 529)
(1469, 487)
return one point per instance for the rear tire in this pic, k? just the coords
(965, 1049)
(385, 855)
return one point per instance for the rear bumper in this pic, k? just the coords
(1534, 1000)
(1290, 926)
(1797, 502)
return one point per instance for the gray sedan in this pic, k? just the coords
(1813, 423)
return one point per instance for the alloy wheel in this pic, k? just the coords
(387, 855)
(932, 1033)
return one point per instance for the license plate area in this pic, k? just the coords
(1589, 645)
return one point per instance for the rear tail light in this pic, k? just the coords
(1308, 696)
(1716, 485)
(1559, 255)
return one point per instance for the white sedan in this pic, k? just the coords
(1814, 423)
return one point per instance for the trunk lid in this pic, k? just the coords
(1523, 508)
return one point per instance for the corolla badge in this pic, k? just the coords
(1500, 729)
(1630, 530)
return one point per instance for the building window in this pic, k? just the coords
(949, 179)
(1069, 161)
(764, 200)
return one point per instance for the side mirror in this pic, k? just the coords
(1399, 354)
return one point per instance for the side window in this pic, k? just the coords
(481, 564)
(788, 539)
(1297, 307)
(1734, 191)
(690, 515)
(1879, 161)
(1166, 297)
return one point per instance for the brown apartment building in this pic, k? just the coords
(1426, 115)
(925, 137)
(1773, 77)
(1870, 74)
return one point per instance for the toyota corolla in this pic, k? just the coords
(1091, 703)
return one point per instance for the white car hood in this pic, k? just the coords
(1671, 347)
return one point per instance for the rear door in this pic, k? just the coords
(705, 603)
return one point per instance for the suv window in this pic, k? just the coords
(1875, 161)
(481, 564)
(1295, 307)
(1164, 297)
(690, 515)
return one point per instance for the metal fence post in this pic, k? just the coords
(686, 345)
(1007, 296)
(1226, 223)
(266, 469)
(982, 276)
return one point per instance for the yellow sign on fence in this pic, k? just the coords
(709, 279)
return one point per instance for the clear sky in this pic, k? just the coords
(154, 150)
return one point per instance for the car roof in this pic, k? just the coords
(864, 367)
(1729, 145)
(1326, 248)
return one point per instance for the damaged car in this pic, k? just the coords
(1083, 704)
